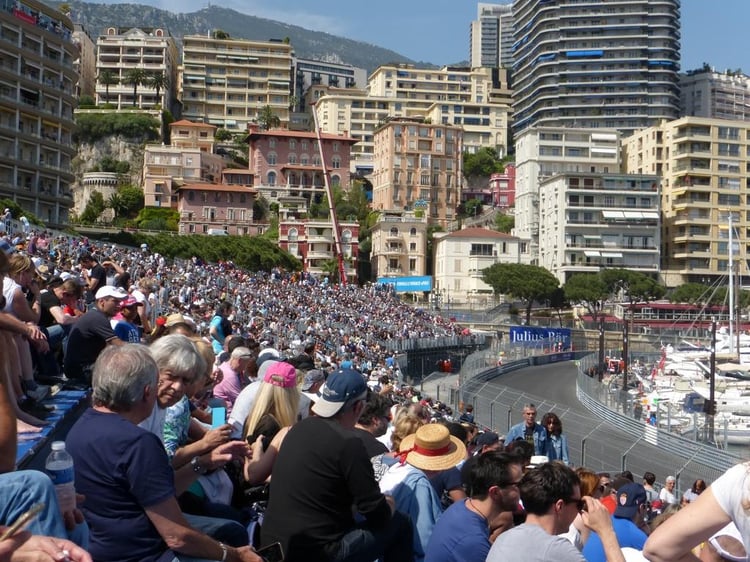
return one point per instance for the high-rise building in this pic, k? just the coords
(703, 164)
(716, 95)
(230, 83)
(85, 63)
(151, 50)
(418, 166)
(37, 87)
(599, 64)
(492, 36)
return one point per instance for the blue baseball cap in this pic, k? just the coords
(340, 386)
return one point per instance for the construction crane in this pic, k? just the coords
(338, 248)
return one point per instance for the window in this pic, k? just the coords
(413, 232)
(271, 143)
(336, 162)
(271, 159)
(394, 231)
(292, 144)
(292, 159)
(271, 178)
(335, 180)
(481, 250)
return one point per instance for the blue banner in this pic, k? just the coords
(408, 284)
(531, 336)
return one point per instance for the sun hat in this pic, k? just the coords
(110, 291)
(432, 447)
(311, 377)
(341, 386)
(281, 374)
(175, 319)
(630, 497)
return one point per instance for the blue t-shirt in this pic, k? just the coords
(627, 535)
(460, 535)
(127, 332)
(121, 469)
(218, 345)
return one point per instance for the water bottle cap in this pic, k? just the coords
(58, 445)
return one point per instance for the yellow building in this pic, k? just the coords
(399, 245)
(703, 163)
(228, 82)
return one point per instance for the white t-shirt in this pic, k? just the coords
(667, 497)
(731, 489)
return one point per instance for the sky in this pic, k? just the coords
(437, 31)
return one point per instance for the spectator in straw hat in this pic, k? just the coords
(423, 454)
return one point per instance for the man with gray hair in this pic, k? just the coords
(530, 431)
(125, 475)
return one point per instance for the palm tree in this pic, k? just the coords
(116, 203)
(108, 78)
(267, 119)
(135, 77)
(158, 82)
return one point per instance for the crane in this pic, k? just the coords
(338, 248)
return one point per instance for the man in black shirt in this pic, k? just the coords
(95, 277)
(373, 423)
(92, 333)
(321, 472)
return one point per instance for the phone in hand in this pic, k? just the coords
(218, 416)
(271, 553)
(20, 523)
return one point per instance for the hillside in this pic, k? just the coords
(307, 44)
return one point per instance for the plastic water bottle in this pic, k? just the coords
(59, 466)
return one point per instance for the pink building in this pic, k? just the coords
(217, 208)
(287, 163)
(503, 188)
(312, 242)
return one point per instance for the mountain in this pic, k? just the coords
(307, 44)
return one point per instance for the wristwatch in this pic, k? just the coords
(195, 462)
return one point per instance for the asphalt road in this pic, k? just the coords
(593, 442)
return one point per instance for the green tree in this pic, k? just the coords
(261, 209)
(528, 283)
(588, 290)
(108, 78)
(558, 302)
(482, 163)
(94, 208)
(135, 77)
(158, 82)
(220, 34)
(634, 286)
(267, 118)
(472, 207)
(504, 223)
(692, 293)
(222, 135)
(132, 200)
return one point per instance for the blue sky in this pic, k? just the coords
(437, 31)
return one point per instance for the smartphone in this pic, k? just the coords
(218, 416)
(20, 523)
(271, 553)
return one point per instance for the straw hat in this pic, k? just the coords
(432, 447)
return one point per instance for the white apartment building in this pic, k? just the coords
(716, 95)
(37, 97)
(152, 50)
(491, 36)
(542, 152)
(399, 245)
(85, 64)
(460, 257)
(588, 222)
(595, 64)
(228, 82)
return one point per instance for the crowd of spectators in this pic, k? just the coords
(235, 411)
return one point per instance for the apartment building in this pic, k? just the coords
(85, 64)
(214, 209)
(399, 245)
(310, 72)
(418, 166)
(460, 257)
(312, 242)
(588, 222)
(287, 163)
(716, 95)
(542, 152)
(598, 64)
(229, 82)
(491, 36)
(703, 164)
(37, 89)
(503, 188)
(189, 158)
(121, 50)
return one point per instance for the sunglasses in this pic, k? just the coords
(509, 484)
(580, 503)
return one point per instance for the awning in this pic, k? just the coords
(592, 236)
(633, 214)
(591, 253)
(611, 254)
(650, 215)
(604, 150)
(612, 214)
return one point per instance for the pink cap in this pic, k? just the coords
(281, 374)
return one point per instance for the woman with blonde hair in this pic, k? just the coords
(274, 411)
